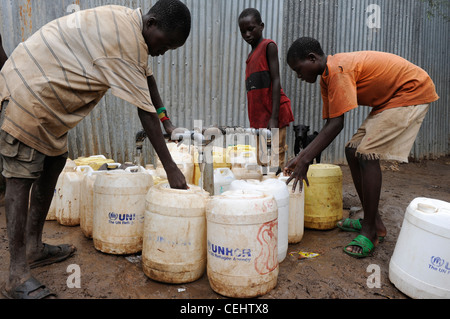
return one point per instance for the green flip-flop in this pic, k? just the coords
(363, 242)
(354, 225)
(349, 224)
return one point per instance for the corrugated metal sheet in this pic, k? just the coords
(405, 29)
(204, 80)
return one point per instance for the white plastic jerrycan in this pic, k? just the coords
(420, 264)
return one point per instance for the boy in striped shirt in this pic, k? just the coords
(48, 85)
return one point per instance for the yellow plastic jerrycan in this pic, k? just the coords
(323, 197)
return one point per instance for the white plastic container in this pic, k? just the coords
(182, 156)
(67, 201)
(247, 171)
(245, 157)
(51, 215)
(420, 264)
(242, 243)
(296, 212)
(87, 202)
(269, 176)
(279, 190)
(223, 177)
(174, 244)
(119, 206)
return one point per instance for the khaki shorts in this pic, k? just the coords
(18, 160)
(389, 135)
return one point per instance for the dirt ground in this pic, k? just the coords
(331, 275)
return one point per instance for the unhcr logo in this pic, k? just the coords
(227, 253)
(439, 264)
(121, 219)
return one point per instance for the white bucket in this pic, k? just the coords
(296, 212)
(420, 264)
(174, 244)
(242, 243)
(119, 206)
(279, 190)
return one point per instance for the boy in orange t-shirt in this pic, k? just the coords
(399, 93)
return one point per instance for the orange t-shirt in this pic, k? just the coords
(376, 79)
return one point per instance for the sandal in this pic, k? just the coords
(53, 254)
(363, 242)
(349, 224)
(354, 225)
(30, 289)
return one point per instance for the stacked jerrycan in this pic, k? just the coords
(242, 243)
(420, 264)
(67, 195)
(69, 167)
(223, 177)
(87, 197)
(174, 244)
(94, 161)
(280, 192)
(220, 160)
(296, 212)
(119, 206)
(323, 196)
(182, 156)
(244, 163)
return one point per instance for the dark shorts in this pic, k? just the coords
(18, 160)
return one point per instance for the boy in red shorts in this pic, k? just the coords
(399, 93)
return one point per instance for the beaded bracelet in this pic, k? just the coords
(162, 114)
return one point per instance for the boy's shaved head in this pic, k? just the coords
(251, 12)
(172, 16)
(302, 47)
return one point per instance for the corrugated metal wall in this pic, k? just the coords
(204, 80)
(404, 28)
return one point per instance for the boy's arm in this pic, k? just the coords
(274, 69)
(3, 56)
(150, 122)
(158, 103)
(299, 165)
(152, 127)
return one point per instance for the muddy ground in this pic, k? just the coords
(332, 274)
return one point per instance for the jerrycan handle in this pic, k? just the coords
(113, 165)
(224, 171)
(132, 169)
(426, 208)
(430, 209)
(135, 169)
(84, 169)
